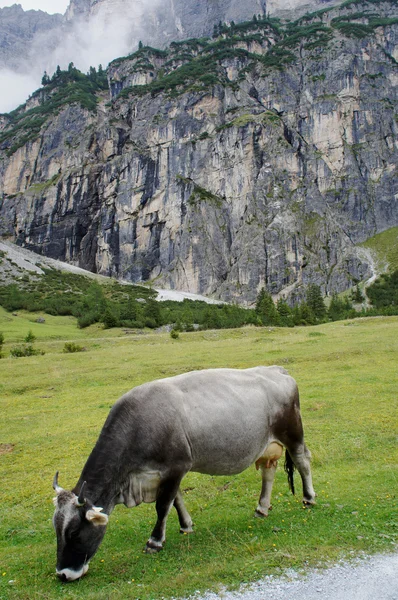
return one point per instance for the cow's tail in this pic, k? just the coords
(289, 468)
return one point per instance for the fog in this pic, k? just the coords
(113, 31)
(14, 89)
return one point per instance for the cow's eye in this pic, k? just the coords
(73, 535)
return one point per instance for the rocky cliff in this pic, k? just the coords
(263, 156)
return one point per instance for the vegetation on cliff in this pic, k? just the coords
(62, 89)
(198, 63)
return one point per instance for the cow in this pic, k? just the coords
(215, 421)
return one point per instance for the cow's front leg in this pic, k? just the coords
(167, 492)
(268, 475)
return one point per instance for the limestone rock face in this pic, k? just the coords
(294, 8)
(271, 177)
(158, 22)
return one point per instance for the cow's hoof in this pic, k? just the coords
(153, 546)
(260, 514)
(309, 501)
(186, 530)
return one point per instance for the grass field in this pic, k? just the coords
(53, 407)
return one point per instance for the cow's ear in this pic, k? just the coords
(96, 516)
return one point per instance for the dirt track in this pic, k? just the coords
(369, 578)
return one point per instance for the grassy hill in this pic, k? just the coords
(53, 407)
(385, 247)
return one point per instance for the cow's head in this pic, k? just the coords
(80, 527)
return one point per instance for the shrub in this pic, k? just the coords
(110, 319)
(72, 347)
(174, 334)
(87, 319)
(25, 350)
(384, 291)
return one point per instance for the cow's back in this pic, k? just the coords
(223, 419)
(230, 415)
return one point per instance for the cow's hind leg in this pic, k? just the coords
(267, 463)
(183, 515)
(268, 475)
(300, 455)
(167, 493)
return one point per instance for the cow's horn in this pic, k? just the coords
(55, 484)
(81, 501)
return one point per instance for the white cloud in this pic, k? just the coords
(15, 88)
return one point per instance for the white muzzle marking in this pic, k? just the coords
(71, 575)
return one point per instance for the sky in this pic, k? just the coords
(50, 6)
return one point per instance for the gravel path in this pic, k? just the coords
(369, 578)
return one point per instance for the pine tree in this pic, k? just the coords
(110, 319)
(45, 79)
(315, 301)
(339, 308)
(152, 314)
(285, 313)
(306, 314)
(357, 295)
(266, 308)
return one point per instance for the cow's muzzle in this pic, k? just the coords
(68, 575)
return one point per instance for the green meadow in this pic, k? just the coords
(53, 407)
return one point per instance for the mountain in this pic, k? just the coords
(263, 156)
(28, 35)
(94, 32)
(20, 29)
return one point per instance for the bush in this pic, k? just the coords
(383, 292)
(174, 334)
(70, 347)
(25, 350)
(87, 319)
(110, 319)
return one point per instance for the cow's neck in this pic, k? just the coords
(102, 476)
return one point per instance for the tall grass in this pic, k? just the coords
(53, 407)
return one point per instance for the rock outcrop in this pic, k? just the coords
(262, 157)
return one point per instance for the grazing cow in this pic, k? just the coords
(217, 421)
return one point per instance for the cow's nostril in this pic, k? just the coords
(62, 577)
